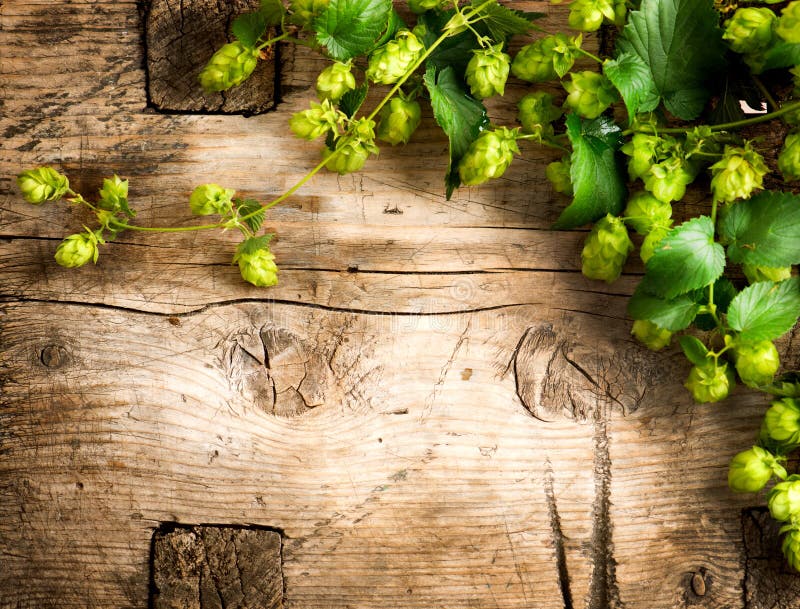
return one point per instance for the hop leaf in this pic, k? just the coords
(42, 184)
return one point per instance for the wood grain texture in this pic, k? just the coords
(433, 407)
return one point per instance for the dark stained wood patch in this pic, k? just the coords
(181, 38)
(768, 582)
(216, 567)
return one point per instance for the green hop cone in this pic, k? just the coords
(536, 112)
(536, 62)
(756, 362)
(398, 121)
(667, 181)
(755, 273)
(651, 242)
(389, 63)
(791, 545)
(256, 262)
(210, 199)
(590, 93)
(789, 23)
(782, 421)
(588, 15)
(318, 120)
(77, 250)
(114, 194)
(737, 174)
(606, 249)
(228, 67)
(645, 211)
(305, 11)
(651, 335)
(789, 158)
(353, 149)
(558, 172)
(750, 30)
(642, 149)
(334, 81)
(784, 499)
(42, 184)
(751, 469)
(487, 72)
(488, 156)
(710, 382)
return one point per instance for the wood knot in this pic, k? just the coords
(54, 356)
(559, 376)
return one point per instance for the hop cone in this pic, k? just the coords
(488, 156)
(756, 362)
(651, 241)
(789, 158)
(389, 63)
(590, 93)
(606, 249)
(791, 545)
(782, 421)
(789, 23)
(650, 335)
(256, 262)
(750, 30)
(784, 499)
(228, 67)
(558, 172)
(737, 174)
(334, 81)
(535, 62)
(210, 199)
(42, 184)
(710, 382)
(487, 72)
(751, 469)
(536, 112)
(644, 212)
(398, 121)
(77, 250)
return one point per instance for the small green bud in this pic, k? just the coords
(256, 264)
(305, 11)
(651, 242)
(42, 184)
(351, 155)
(644, 212)
(229, 67)
(737, 174)
(791, 545)
(710, 382)
(782, 421)
(77, 250)
(590, 93)
(210, 199)
(536, 62)
(789, 158)
(536, 112)
(667, 180)
(316, 121)
(114, 194)
(487, 72)
(651, 335)
(755, 273)
(756, 362)
(389, 63)
(420, 6)
(789, 23)
(334, 81)
(784, 499)
(398, 121)
(606, 249)
(750, 30)
(558, 172)
(488, 156)
(751, 469)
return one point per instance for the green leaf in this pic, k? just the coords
(764, 230)
(765, 310)
(502, 22)
(352, 100)
(395, 23)
(785, 385)
(672, 315)
(249, 28)
(687, 259)
(455, 52)
(632, 78)
(782, 55)
(273, 11)
(245, 207)
(598, 181)
(461, 116)
(680, 42)
(694, 350)
(348, 28)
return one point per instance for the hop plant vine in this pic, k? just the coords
(661, 112)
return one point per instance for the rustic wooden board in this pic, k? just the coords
(433, 409)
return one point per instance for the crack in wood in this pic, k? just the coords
(562, 567)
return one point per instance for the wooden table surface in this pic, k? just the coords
(434, 409)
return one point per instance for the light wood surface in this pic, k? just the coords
(434, 408)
